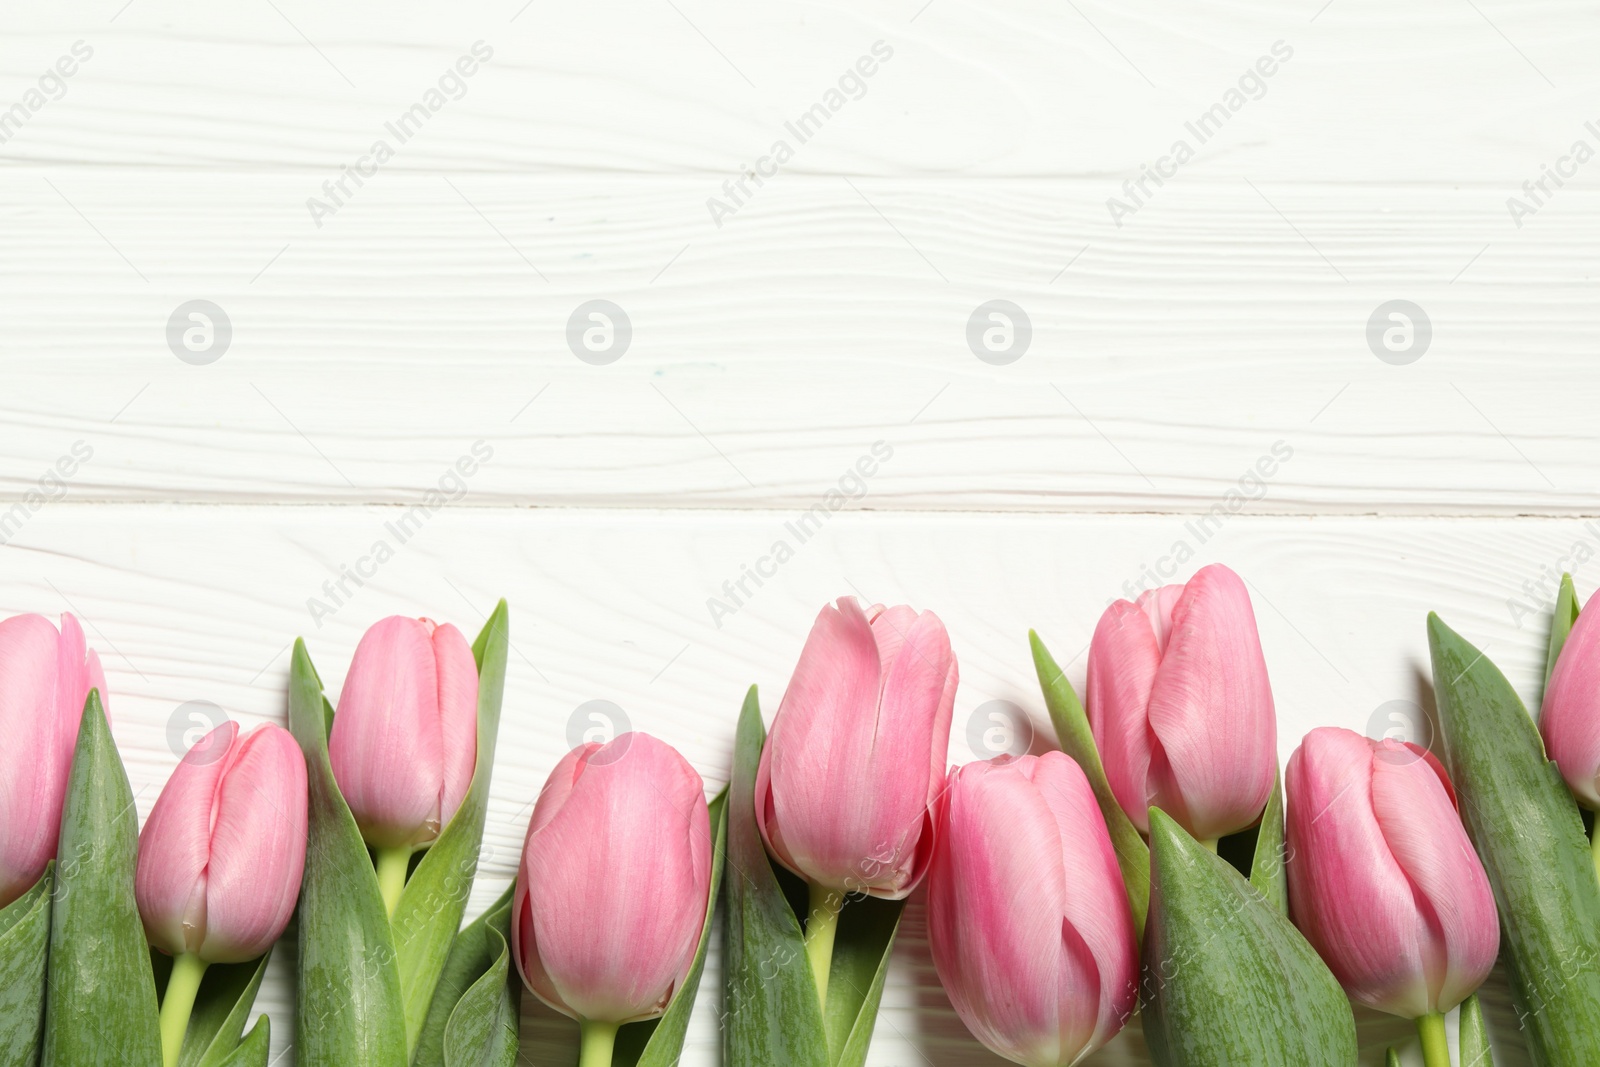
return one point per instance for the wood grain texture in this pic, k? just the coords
(193, 603)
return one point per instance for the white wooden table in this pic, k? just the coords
(779, 332)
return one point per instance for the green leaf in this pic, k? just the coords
(1528, 833)
(1268, 871)
(855, 982)
(348, 1008)
(479, 985)
(1392, 1059)
(1077, 741)
(1227, 979)
(252, 1052)
(770, 1008)
(435, 897)
(1472, 1037)
(101, 1011)
(665, 1044)
(24, 945)
(1566, 614)
(221, 1008)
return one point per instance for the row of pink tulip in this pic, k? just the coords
(1029, 917)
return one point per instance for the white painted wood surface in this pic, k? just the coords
(1224, 318)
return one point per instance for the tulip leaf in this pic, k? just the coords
(1391, 1059)
(1227, 979)
(665, 1044)
(1269, 871)
(1472, 1037)
(770, 1010)
(435, 897)
(348, 1004)
(221, 1008)
(1077, 741)
(1561, 625)
(24, 945)
(253, 1050)
(866, 933)
(1529, 835)
(101, 1011)
(479, 986)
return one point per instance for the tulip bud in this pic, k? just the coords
(612, 889)
(221, 855)
(1180, 705)
(1382, 878)
(1570, 718)
(857, 750)
(404, 741)
(1028, 920)
(45, 677)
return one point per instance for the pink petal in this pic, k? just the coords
(386, 746)
(458, 716)
(175, 846)
(1424, 833)
(1124, 656)
(258, 846)
(1211, 711)
(1570, 719)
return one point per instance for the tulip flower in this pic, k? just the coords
(220, 859)
(613, 886)
(404, 741)
(1180, 706)
(45, 677)
(1383, 880)
(1028, 920)
(855, 758)
(1570, 718)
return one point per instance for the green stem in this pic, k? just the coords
(1594, 847)
(599, 1040)
(176, 1006)
(392, 865)
(1211, 844)
(821, 927)
(1435, 1049)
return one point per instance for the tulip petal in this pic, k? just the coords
(1420, 824)
(257, 847)
(386, 747)
(458, 716)
(37, 755)
(1124, 656)
(1570, 720)
(1211, 711)
(175, 846)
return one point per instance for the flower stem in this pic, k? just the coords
(1211, 844)
(821, 927)
(1435, 1049)
(1594, 847)
(599, 1040)
(392, 865)
(176, 1006)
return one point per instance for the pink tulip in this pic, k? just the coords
(45, 677)
(1570, 719)
(857, 750)
(405, 738)
(1027, 917)
(1382, 879)
(613, 885)
(221, 855)
(1180, 706)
